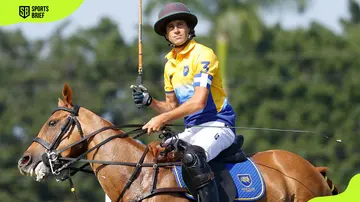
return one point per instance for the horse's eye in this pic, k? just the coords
(53, 123)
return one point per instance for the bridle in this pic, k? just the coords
(71, 119)
(52, 157)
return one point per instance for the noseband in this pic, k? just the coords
(52, 157)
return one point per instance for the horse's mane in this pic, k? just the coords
(156, 149)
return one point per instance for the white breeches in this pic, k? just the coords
(212, 139)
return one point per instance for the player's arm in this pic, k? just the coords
(196, 103)
(170, 103)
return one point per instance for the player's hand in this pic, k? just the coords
(141, 96)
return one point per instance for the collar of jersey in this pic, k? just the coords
(187, 48)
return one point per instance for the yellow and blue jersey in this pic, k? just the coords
(197, 65)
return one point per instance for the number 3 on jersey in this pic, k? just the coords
(205, 66)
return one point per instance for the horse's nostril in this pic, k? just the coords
(25, 160)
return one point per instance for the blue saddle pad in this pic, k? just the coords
(250, 185)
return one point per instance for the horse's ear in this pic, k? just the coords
(67, 95)
(61, 103)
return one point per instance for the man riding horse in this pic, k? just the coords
(193, 91)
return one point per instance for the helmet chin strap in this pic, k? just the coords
(182, 45)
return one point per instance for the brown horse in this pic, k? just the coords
(287, 176)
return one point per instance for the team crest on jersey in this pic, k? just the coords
(186, 70)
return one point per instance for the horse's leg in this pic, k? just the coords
(290, 177)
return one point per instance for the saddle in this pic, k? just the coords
(234, 153)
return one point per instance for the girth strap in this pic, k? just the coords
(162, 191)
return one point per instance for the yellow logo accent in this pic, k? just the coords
(35, 11)
(351, 194)
(245, 179)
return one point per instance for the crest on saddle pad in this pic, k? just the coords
(248, 181)
(245, 179)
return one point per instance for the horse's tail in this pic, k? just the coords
(333, 188)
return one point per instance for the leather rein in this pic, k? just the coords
(52, 157)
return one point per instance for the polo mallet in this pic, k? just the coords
(139, 79)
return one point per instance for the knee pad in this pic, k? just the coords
(196, 166)
(193, 155)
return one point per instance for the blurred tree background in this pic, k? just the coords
(300, 79)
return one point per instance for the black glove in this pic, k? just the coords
(141, 96)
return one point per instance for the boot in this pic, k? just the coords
(203, 179)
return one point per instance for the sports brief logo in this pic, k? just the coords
(34, 11)
(24, 11)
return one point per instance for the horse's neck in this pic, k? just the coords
(113, 178)
(118, 149)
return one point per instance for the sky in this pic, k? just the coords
(125, 12)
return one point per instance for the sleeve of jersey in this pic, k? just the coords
(168, 87)
(206, 69)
